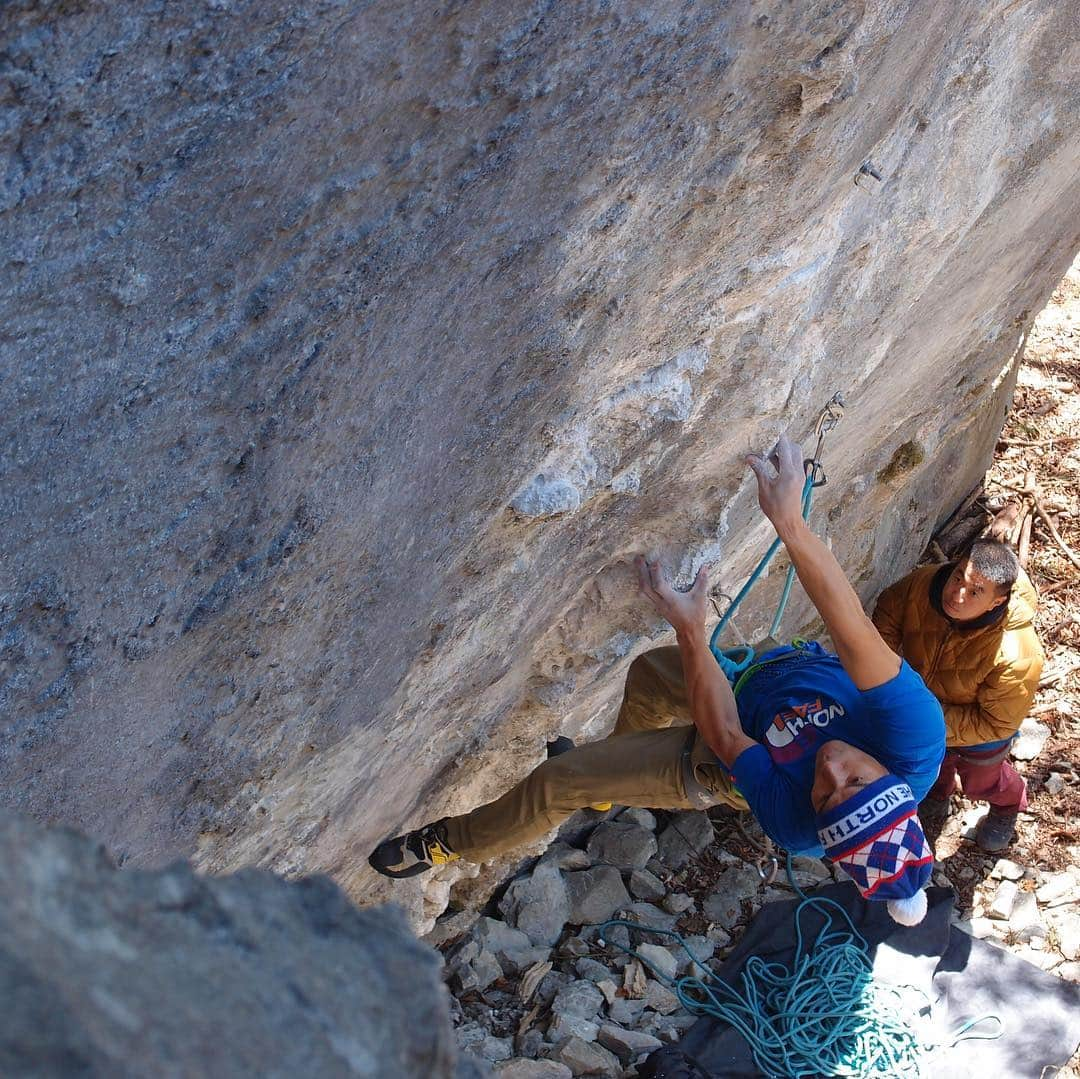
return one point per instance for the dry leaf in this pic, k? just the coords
(532, 978)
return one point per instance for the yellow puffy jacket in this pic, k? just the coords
(984, 677)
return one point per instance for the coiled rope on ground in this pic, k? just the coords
(823, 1015)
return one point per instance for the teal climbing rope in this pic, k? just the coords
(734, 661)
(823, 1015)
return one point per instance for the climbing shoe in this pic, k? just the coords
(562, 745)
(995, 830)
(413, 853)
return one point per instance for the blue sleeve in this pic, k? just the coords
(785, 817)
(909, 726)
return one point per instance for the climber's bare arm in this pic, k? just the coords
(868, 660)
(712, 704)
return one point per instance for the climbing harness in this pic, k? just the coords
(825, 1015)
(735, 661)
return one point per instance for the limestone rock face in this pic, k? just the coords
(350, 352)
(109, 972)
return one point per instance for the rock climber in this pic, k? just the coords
(966, 627)
(831, 752)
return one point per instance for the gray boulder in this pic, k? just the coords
(660, 999)
(647, 914)
(293, 305)
(658, 959)
(626, 1011)
(643, 818)
(622, 843)
(513, 948)
(732, 886)
(595, 894)
(108, 972)
(579, 998)
(646, 885)
(563, 1027)
(586, 1058)
(626, 1044)
(538, 904)
(687, 835)
(592, 970)
(533, 1069)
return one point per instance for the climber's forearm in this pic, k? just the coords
(712, 704)
(868, 660)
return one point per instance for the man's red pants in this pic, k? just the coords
(986, 776)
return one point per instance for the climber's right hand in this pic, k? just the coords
(780, 480)
(684, 610)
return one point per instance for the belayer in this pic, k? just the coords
(831, 752)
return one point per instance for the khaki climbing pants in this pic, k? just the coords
(640, 764)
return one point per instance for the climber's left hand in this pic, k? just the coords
(684, 610)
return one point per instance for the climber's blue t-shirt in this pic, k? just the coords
(803, 699)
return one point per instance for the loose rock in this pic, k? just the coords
(1002, 904)
(563, 856)
(724, 906)
(591, 971)
(595, 894)
(513, 948)
(496, 1048)
(1005, 869)
(660, 998)
(1056, 887)
(1024, 918)
(677, 903)
(1032, 738)
(563, 1027)
(641, 817)
(580, 998)
(659, 959)
(1066, 925)
(626, 1044)
(645, 885)
(469, 1066)
(626, 1011)
(808, 871)
(647, 914)
(701, 948)
(688, 834)
(1055, 784)
(584, 1058)
(622, 843)
(538, 905)
(533, 1069)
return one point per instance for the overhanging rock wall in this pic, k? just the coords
(351, 350)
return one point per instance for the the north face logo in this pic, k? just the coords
(787, 723)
